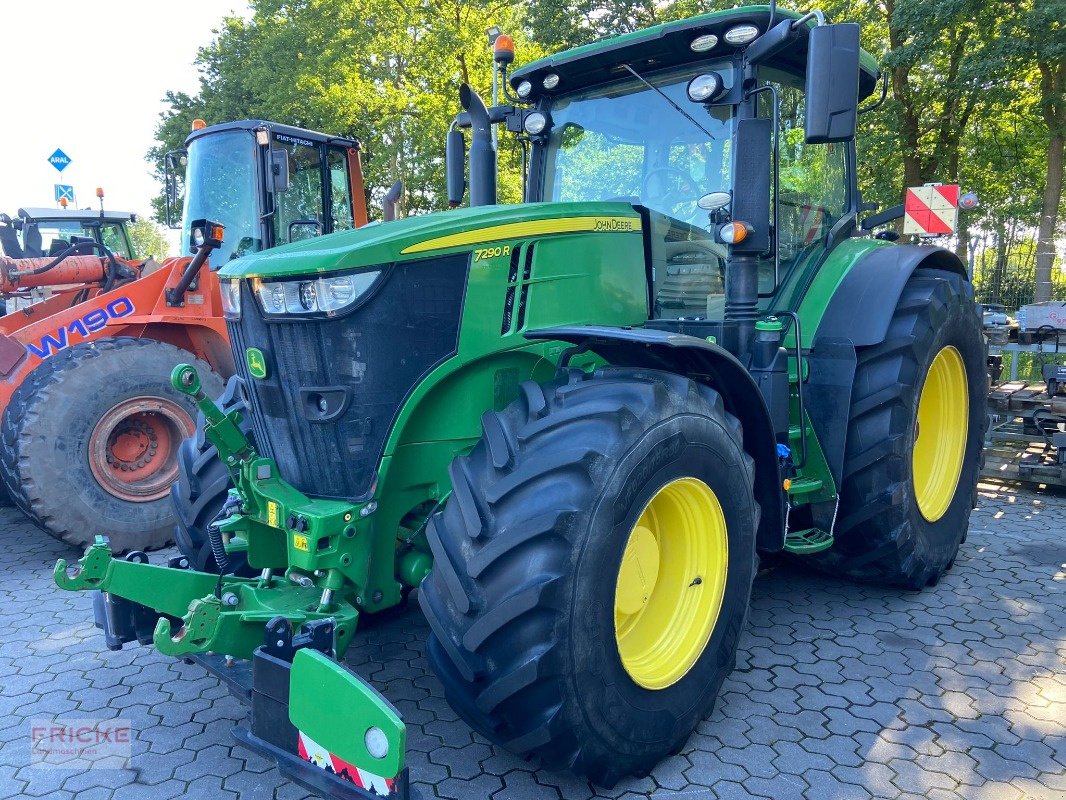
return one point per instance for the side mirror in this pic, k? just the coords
(455, 164)
(171, 161)
(279, 167)
(304, 224)
(832, 83)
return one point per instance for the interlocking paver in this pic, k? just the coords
(841, 691)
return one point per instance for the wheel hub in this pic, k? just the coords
(133, 448)
(940, 433)
(671, 583)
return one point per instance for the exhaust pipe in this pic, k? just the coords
(482, 153)
(388, 204)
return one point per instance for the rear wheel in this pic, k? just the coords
(202, 486)
(90, 441)
(592, 569)
(915, 434)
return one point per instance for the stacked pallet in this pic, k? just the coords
(1017, 445)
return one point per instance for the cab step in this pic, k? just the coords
(807, 541)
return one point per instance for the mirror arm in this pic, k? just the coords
(877, 220)
(815, 15)
(880, 101)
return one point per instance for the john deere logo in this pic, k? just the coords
(257, 364)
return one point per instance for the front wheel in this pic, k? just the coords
(592, 569)
(90, 441)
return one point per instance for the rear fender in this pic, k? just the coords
(710, 364)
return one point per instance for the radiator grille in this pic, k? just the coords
(361, 366)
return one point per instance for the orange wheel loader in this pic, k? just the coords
(91, 426)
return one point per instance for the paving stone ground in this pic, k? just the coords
(841, 691)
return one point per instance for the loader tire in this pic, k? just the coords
(915, 432)
(89, 441)
(202, 485)
(592, 569)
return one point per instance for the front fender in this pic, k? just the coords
(714, 366)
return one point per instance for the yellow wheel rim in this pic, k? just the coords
(940, 434)
(671, 583)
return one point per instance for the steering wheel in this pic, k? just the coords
(676, 194)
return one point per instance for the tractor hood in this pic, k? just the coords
(443, 231)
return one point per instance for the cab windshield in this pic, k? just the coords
(221, 185)
(50, 237)
(627, 142)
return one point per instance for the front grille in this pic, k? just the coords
(359, 368)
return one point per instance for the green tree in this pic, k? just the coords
(149, 239)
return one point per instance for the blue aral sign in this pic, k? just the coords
(59, 160)
(64, 192)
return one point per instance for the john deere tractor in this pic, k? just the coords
(575, 423)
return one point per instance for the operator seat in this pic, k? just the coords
(9, 240)
(31, 240)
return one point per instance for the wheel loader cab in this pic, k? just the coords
(270, 184)
(50, 231)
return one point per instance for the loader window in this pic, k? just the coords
(340, 188)
(221, 185)
(299, 208)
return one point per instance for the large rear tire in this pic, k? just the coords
(203, 484)
(90, 441)
(915, 433)
(592, 569)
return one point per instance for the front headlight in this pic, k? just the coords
(231, 298)
(323, 296)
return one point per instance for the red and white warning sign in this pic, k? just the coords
(931, 210)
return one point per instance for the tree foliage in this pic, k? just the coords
(976, 94)
(148, 239)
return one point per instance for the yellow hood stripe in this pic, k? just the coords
(518, 230)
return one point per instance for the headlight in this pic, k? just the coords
(704, 88)
(323, 296)
(231, 298)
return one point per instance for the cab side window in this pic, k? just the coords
(812, 180)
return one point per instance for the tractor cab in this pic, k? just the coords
(731, 133)
(42, 232)
(267, 184)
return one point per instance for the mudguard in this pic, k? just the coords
(718, 368)
(863, 303)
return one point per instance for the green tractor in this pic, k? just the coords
(575, 423)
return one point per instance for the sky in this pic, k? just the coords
(89, 78)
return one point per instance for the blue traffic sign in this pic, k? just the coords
(59, 160)
(64, 192)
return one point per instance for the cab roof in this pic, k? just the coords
(667, 45)
(274, 127)
(75, 215)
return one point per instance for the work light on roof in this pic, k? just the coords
(741, 34)
(551, 80)
(701, 44)
(525, 89)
